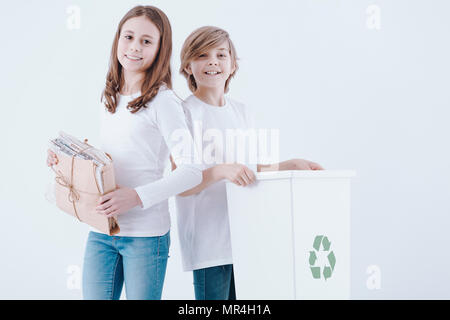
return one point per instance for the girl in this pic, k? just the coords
(139, 112)
(208, 61)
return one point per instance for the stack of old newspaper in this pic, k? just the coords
(83, 175)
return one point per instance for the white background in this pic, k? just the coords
(342, 94)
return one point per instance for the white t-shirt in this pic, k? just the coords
(139, 144)
(203, 223)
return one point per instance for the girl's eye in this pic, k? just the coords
(128, 37)
(147, 42)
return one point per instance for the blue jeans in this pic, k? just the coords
(110, 261)
(214, 283)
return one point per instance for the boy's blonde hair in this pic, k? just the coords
(200, 41)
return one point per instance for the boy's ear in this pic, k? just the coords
(234, 68)
(188, 69)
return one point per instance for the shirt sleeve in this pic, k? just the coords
(171, 121)
(253, 143)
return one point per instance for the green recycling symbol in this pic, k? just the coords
(328, 268)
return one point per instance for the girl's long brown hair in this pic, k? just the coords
(157, 75)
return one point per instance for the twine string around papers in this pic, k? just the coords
(74, 194)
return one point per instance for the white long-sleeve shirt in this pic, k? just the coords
(139, 145)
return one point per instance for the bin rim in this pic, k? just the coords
(315, 174)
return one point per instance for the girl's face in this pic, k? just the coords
(212, 69)
(138, 44)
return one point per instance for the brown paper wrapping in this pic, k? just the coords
(77, 192)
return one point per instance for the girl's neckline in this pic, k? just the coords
(133, 95)
(138, 93)
(225, 106)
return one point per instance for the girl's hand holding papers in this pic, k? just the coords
(52, 159)
(118, 201)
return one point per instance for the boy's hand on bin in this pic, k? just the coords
(238, 173)
(302, 164)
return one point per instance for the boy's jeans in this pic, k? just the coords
(214, 283)
(110, 261)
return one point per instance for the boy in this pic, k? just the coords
(209, 61)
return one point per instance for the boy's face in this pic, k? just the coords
(212, 69)
(138, 44)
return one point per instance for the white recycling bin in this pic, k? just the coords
(290, 235)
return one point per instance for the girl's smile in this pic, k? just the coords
(133, 58)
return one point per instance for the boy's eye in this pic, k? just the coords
(202, 55)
